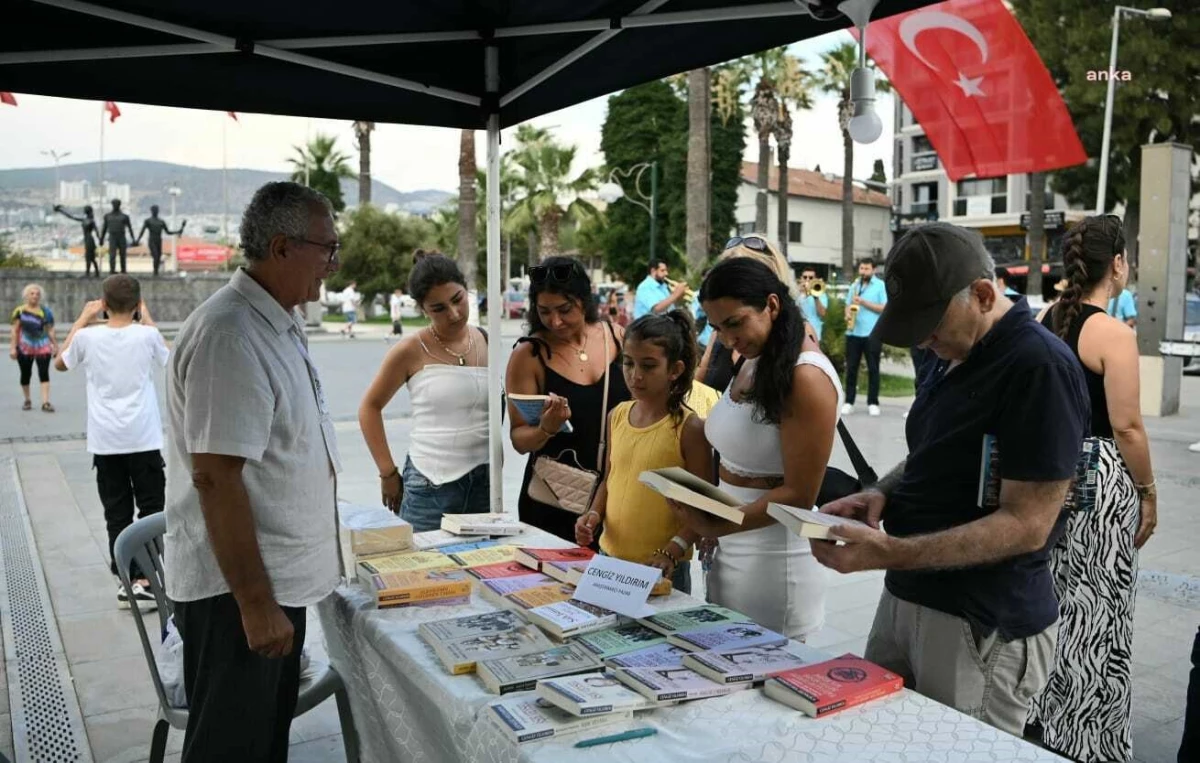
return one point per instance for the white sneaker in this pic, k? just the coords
(873, 410)
(847, 409)
(1194, 447)
(145, 599)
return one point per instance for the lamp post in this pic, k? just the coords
(1153, 13)
(174, 191)
(57, 157)
(612, 191)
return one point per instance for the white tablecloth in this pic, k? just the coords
(408, 708)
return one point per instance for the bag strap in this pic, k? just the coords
(604, 410)
(866, 475)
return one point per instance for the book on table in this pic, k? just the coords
(492, 555)
(481, 624)
(460, 547)
(662, 655)
(535, 558)
(461, 655)
(808, 523)
(692, 618)
(531, 407)
(373, 529)
(481, 524)
(594, 694)
(753, 664)
(832, 685)
(395, 589)
(528, 718)
(520, 673)
(499, 570)
(566, 572)
(743, 634)
(431, 540)
(411, 561)
(612, 642)
(541, 595)
(495, 589)
(565, 619)
(672, 684)
(682, 486)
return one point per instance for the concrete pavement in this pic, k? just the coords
(114, 694)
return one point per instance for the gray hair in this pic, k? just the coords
(987, 272)
(278, 208)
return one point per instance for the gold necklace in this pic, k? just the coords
(462, 358)
(581, 351)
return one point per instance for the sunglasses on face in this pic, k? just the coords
(560, 273)
(756, 243)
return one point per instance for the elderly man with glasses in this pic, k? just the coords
(251, 510)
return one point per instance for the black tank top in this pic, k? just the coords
(1101, 426)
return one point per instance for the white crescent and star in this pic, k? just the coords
(916, 23)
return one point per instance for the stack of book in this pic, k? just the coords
(537, 558)
(751, 665)
(481, 524)
(461, 642)
(613, 642)
(493, 554)
(428, 586)
(522, 672)
(496, 590)
(741, 635)
(673, 684)
(366, 532)
(528, 718)
(595, 694)
(826, 687)
(692, 618)
(408, 561)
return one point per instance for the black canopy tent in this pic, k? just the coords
(483, 64)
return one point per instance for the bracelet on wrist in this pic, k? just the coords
(683, 544)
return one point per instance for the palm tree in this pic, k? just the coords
(467, 206)
(699, 167)
(543, 169)
(362, 132)
(783, 145)
(834, 77)
(325, 167)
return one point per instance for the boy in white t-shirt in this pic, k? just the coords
(395, 309)
(124, 429)
(350, 302)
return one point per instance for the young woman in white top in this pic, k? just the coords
(445, 367)
(774, 429)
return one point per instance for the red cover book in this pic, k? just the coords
(826, 687)
(498, 570)
(534, 557)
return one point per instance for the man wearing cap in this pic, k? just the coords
(968, 615)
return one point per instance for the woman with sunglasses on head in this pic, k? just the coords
(566, 355)
(1084, 709)
(445, 367)
(774, 430)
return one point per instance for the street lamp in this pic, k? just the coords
(1153, 13)
(174, 191)
(612, 191)
(57, 157)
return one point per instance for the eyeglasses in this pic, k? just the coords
(757, 243)
(333, 248)
(561, 273)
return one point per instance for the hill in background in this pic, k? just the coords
(201, 187)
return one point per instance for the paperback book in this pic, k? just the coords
(431, 540)
(529, 718)
(612, 642)
(750, 664)
(682, 486)
(566, 572)
(535, 558)
(521, 673)
(499, 570)
(807, 523)
(493, 555)
(662, 655)
(728, 636)
(827, 687)
(411, 561)
(540, 596)
(483, 624)
(596, 694)
(394, 589)
(496, 589)
(463, 654)
(692, 618)
(672, 684)
(481, 524)
(458, 547)
(531, 406)
(565, 619)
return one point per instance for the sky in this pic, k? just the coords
(406, 157)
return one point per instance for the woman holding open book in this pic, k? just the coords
(573, 359)
(445, 368)
(774, 430)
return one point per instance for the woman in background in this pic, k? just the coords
(33, 342)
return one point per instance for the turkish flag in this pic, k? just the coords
(232, 115)
(974, 82)
(113, 111)
(8, 98)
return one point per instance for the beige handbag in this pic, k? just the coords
(571, 487)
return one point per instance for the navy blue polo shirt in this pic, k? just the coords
(1025, 387)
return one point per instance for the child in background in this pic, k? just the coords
(655, 430)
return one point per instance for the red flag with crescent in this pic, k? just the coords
(974, 82)
(113, 111)
(8, 98)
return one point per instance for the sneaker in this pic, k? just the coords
(873, 410)
(847, 409)
(145, 600)
(1194, 447)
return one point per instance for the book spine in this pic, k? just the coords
(447, 591)
(518, 686)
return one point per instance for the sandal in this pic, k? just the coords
(47, 408)
(28, 406)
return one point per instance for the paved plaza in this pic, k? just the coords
(43, 457)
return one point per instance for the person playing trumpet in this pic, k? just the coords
(813, 300)
(656, 294)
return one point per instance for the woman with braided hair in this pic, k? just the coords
(1084, 710)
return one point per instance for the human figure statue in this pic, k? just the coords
(156, 225)
(89, 236)
(115, 224)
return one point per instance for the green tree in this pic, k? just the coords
(834, 78)
(322, 166)
(377, 249)
(878, 173)
(543, 175)
(1158, 104)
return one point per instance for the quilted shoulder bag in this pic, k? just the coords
(571, 487)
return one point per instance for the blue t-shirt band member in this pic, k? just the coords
(813, 306)
(1123, 307)
(654, 294)
(969, 616)
(864, 303)
(1002, 278)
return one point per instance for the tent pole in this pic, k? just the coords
(494, 298)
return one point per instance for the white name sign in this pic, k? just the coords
(619, 586)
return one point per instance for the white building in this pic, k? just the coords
(815, 216)
(993, 206)
(80, 192)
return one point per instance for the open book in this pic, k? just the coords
(530, 407)
(684, 487)
(807, 523)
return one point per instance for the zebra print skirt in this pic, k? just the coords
(1084, 710)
